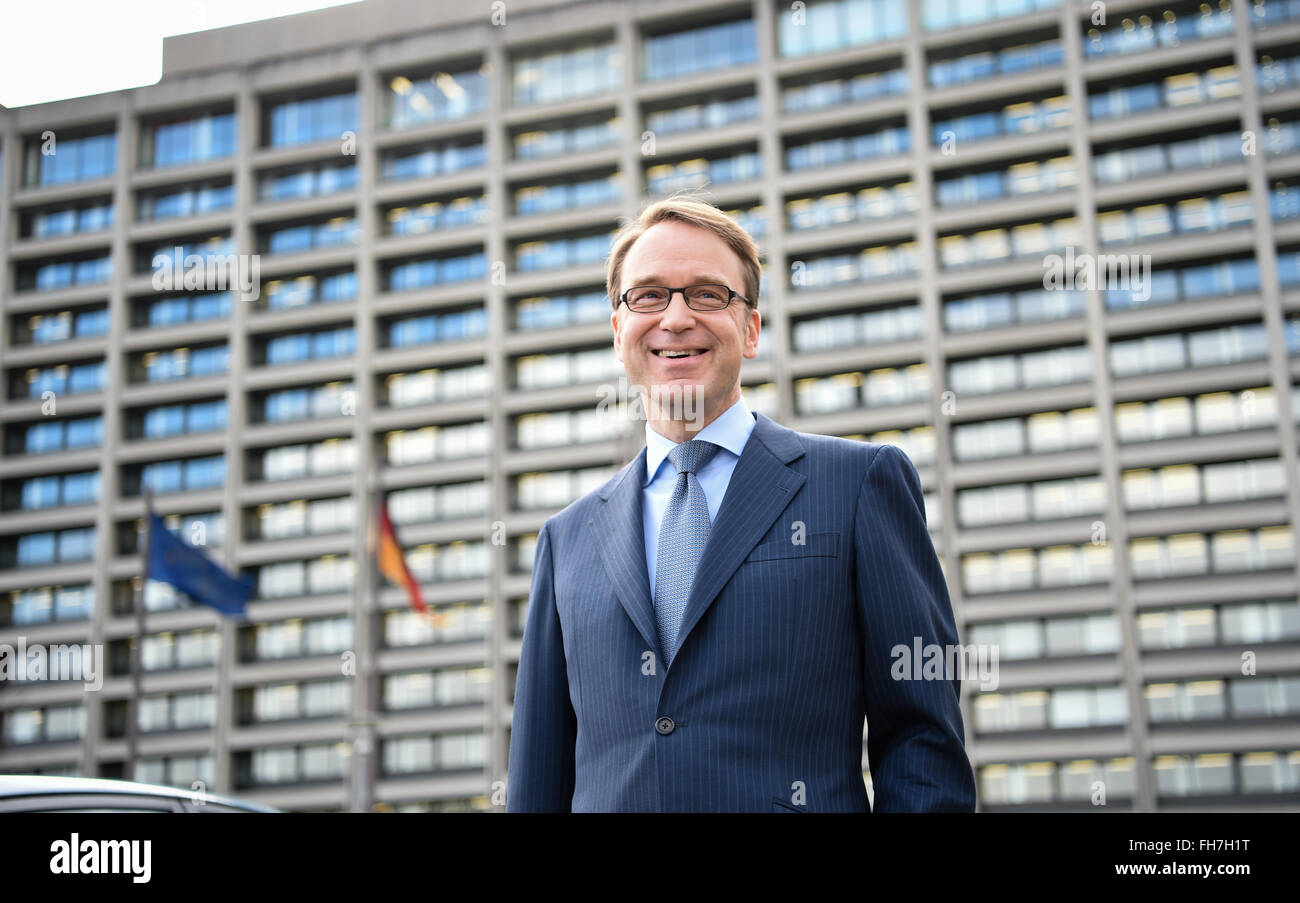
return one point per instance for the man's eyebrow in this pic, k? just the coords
(698, 279)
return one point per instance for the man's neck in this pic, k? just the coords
(681, 429)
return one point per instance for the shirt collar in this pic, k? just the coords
(730, 431)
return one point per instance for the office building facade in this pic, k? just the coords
(422, 198)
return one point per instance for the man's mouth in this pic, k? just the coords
(677, 353)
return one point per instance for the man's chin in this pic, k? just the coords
(681, 398)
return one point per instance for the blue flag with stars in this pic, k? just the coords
(171, 560)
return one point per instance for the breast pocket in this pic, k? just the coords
(814, 545)
(792, 608)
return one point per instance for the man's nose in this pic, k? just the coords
(677, 315)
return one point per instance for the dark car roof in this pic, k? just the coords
(20, 785)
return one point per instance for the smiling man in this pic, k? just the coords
(709, 629)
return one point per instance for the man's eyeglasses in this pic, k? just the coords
(649, 299)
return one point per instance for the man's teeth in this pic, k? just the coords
(667, 353)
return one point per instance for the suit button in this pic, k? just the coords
(665, 725)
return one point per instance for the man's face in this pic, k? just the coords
(677, 254)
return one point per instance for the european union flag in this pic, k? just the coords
(174, 561)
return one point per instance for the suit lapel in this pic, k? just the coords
(760, 488)
(619, 538)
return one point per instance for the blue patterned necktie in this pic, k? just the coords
(682, 534)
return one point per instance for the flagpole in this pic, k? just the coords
(222, 707)
(133, 704)
(366, 590)
(368, 610)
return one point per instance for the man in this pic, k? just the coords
(707, 631)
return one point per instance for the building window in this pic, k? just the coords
(439, 97)
(187, 141)
(680, 53)
(306, 121)
(561, 75)
(60, 160)
(835, 24)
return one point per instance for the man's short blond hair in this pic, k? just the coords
(696, 213)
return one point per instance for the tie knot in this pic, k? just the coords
(690, 456)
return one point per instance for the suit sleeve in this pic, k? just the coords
(544, 727)
(915, 740)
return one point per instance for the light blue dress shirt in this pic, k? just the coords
(730, 431)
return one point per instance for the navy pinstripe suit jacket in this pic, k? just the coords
(784, 648)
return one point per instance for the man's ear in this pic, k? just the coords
(753, 326)
(618, 336)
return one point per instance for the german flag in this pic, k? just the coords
(391, 561)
